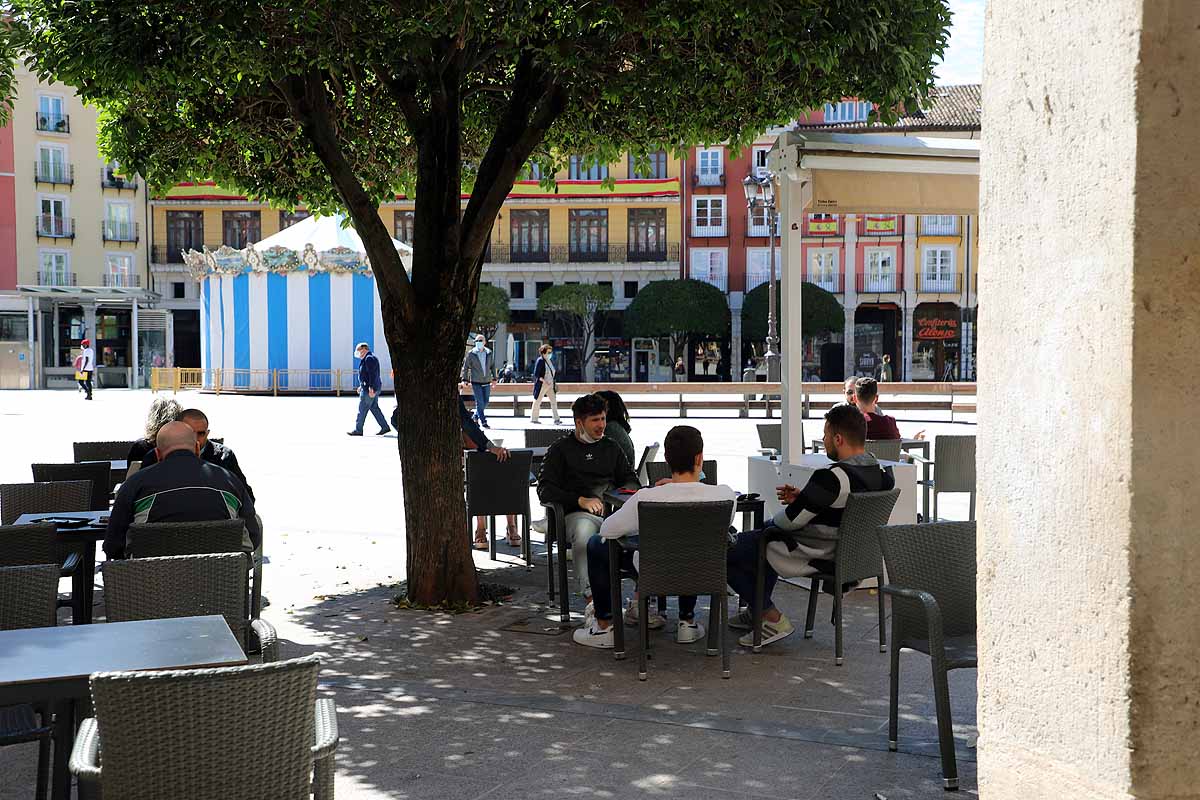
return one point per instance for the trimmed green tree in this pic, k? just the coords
(491, 310)
(345, 103)
(820, 312)
(678, 309)
(579, 308)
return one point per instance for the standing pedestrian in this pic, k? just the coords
(479, 369)
(85, 365)
(369, 388)
(545, 385)
(885, 369)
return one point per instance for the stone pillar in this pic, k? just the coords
(135, 381)
(1088, 550)
(850, 296)
(903, 372)
(735, 334)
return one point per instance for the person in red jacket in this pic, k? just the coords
(879, 426)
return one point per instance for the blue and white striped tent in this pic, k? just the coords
(295, 303)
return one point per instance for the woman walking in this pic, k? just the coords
(545, 386)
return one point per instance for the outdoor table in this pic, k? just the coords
(83, 541)
(752, 511)
(907, 445)
(53, 665)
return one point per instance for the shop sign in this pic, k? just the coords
(880, 224)
(937, 329)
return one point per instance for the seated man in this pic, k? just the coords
(210, 451)
(685, 455)
(182, 488)
(879, 425)
(576, 473)
(806, 530)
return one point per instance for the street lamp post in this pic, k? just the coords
(760, 191)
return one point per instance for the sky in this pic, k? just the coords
(964, 54)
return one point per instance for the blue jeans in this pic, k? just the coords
(741, 561)
(367, 403)
(483, 393)
(597, 569)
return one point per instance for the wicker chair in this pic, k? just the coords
(556, 536)
(544, 437)
(27, 600)
(496, 487)
(155, 539)
(657, 470)
(884, 449)
(682, 552)
(185, 586)
(953, 469)
(856, 556)
(932, 585)
(102, 451)
(97, 472)
(43, 498)
(235, 733)
(770, 437)
(24, 545)
(648, 455)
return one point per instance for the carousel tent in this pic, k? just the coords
(286, 312)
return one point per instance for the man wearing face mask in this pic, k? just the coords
(479, 369)
(576, 473)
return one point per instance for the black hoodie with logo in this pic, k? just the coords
(573, 469)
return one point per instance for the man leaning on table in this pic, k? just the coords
(181, 488)
(806, 529)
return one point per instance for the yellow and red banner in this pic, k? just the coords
(880, 224)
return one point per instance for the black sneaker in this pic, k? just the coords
(354, 433)
(384, 432)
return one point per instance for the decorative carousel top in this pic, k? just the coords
(314, 245)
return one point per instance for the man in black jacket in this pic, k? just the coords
(576, 473)
(370, 385)
(210, 451)
(181, 488)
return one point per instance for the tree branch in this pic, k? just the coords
(309, 103)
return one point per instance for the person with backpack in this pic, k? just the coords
(85, 365)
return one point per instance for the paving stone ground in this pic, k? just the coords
(499, 703)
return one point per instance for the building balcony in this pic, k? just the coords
(834, 226)
(122, 280)
(763, 230)
(166, 254)
(60, 174)
(930, 283)
(66, 279)
(830, 283)
(52, 227)
(880, 225)
(53, 123)
(880, 282)
(707, 231)
(585, 254)
(708, 178)
(114, 231)
(111, 180)
(713, 277)
(939, 225)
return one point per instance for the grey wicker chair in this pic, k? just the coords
(234, 733)
(495, 487)
(185, 586)
(544, 437)
(648, 454)
(23, 545)
(657, 470)
(770, 437)
(953, 469)
(856, 556)
(43, 498)
(556, 537)
(97, 472)
(931, 569)
(27, 600)
(682, 552)
(884, 449)
(102, 451)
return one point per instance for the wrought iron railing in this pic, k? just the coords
(56, 279)
(122, 280)
(120, 231)
(53, 172)
(52, 227)
(54, 123)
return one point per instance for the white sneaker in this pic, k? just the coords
(591, 636)
(589, 614)
(539, 525)
(688, 632)
(654, 622)
(771, 632)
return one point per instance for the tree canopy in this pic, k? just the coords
(340, 104)
(678, 309)
(491, 310)
(578, 306)
(820, 311)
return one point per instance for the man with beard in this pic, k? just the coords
(806, 529)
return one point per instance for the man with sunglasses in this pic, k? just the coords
(210, 451)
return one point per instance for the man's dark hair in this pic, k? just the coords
(866, 389)
(589, 405)
(193, 413)
(682, 445)
(849, 422)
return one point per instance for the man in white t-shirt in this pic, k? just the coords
(684, 448)
(85, 365)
